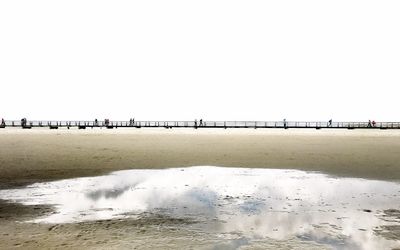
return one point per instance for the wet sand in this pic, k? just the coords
(248, 207)
(28, 156)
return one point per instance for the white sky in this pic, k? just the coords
(210, 59)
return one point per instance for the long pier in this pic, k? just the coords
(26, 124)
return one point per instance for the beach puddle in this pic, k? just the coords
(240, 205)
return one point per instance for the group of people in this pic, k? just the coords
(196, 124)
(371, 124)
(107, 122)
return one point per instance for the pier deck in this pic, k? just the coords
(198, 125)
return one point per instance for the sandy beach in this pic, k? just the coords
(37, 155)
(28, 156)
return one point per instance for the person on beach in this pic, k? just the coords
(369, 124)
(95, 122)
(3, 122)
(284, 123)
(330, 123)
(195, 123)
(201, 122)
(373, 123)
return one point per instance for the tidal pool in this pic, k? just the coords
(241, 204)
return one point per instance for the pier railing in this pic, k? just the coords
(203, 124)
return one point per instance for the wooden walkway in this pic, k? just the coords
(199, 125)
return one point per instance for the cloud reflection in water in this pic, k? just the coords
(254, 203)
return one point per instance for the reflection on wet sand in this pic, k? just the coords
(243, 205)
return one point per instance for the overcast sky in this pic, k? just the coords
(216, 60)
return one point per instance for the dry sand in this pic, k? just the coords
(28, 156)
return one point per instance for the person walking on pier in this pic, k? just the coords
(284, 123)
(132, 122)
(330, 123)
(23, 122)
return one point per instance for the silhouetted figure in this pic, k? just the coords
(96, 122)
(284, 123)
(23, 122)
(373, 123)
(107, 122)
(330, 123)
(195, 123)
(201, 122)
(369, 124)
(3, 123)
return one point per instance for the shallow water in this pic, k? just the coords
(239, 204)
